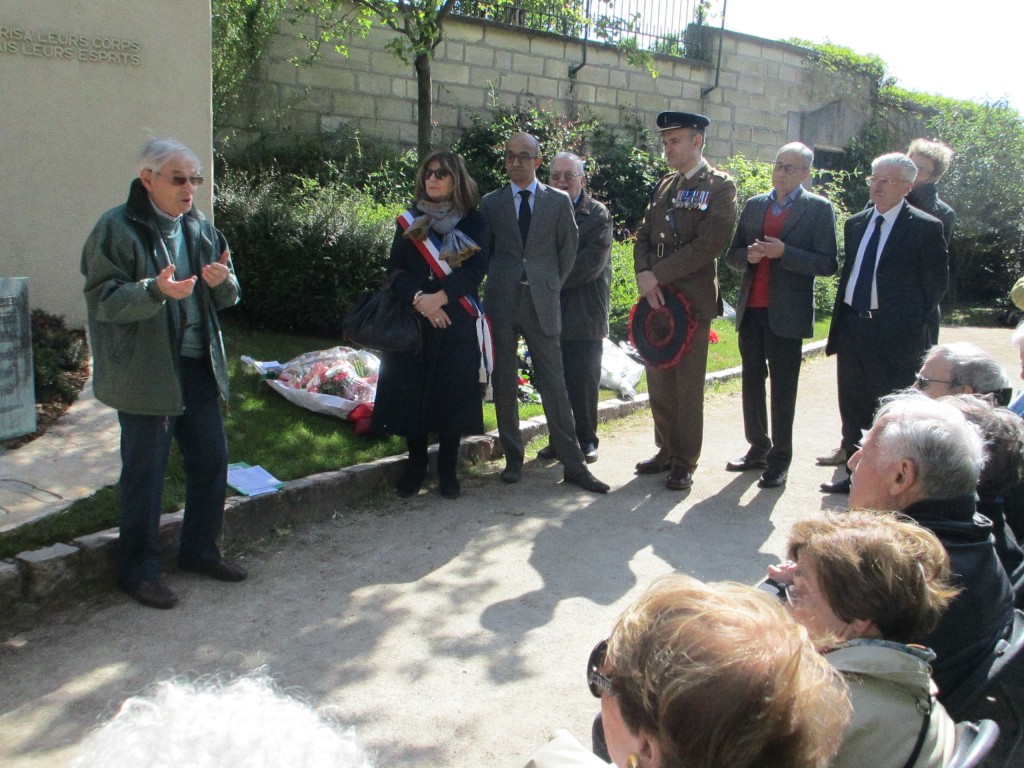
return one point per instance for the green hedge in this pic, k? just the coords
(303, 251)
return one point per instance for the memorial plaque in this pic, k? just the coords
(17, 383)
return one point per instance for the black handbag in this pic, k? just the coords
(380, 320)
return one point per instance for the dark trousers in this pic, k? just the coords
(581, 361)
(867, 369)
(549, 378)
(145, 447)
(766, 355)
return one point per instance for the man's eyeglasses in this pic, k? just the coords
(787, 169)
(870, 180)
(438, 173)
(179, 181)
(568, 175)
(923, 381)
(520, 157)
(596, 681)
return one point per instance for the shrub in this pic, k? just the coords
(345, 158)
(303, 251)
(621, 170)
(56, 351)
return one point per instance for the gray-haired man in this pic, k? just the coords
(893, 276)
(156, 275)
(585, 298)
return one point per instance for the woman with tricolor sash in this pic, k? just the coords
(440, 253)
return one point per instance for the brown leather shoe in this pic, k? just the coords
(154, 594)
(586, 481)
(221, 570)
(679, 479)
(653, 466)
(837, 458)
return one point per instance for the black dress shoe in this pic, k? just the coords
(411, 480)
(839, 486)
(546, 453)
(772, 478)
(512, 473)
(449, 487)
(746, 462)
(221, 570)
(154, 594)
(589, 453)
(679, 479)
(653, 466)
(586, 481)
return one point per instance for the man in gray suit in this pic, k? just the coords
(533, 248)
(784, 239)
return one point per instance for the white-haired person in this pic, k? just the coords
(708, 676)
(245, 723)
(870, 587)
(923, 458)
(963, 368)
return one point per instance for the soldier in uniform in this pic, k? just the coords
(688, 222)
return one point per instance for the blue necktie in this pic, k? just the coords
(866, 276)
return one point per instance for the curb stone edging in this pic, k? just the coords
(55, 576)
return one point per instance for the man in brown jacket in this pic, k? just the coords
(688, 222)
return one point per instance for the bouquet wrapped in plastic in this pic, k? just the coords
(340, 382)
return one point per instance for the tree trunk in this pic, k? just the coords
(424, 114)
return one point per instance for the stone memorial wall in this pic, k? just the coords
(83, 84)
(17, 387)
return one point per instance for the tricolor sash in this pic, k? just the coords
(430, 250)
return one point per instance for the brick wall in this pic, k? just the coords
(767, 92)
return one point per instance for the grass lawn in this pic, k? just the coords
(265, 429)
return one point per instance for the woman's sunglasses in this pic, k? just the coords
(596, 681)
(438, 173)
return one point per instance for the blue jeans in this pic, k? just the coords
(145, 447)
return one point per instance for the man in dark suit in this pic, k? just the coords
(932, 159)
(534, 240)
(585, 297)
(784, 239)
(894, 274)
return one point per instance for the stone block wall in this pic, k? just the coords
(756, 100)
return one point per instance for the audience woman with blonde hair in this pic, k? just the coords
(700, 675)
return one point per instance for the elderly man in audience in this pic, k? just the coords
(963, 368)
(244, 722)
(870, 587)
(923, 458)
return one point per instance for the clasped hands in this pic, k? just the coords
(430, 306)
(769, 248)
(213, 274)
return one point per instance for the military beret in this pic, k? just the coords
(669, 120)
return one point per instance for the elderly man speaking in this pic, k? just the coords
(156, 275)
(922, 458)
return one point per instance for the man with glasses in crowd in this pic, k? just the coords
(784, 239)
(156, 274)
(534, 239)
(893, 276)
(585, 298)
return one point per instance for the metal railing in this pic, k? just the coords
(659, 26)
